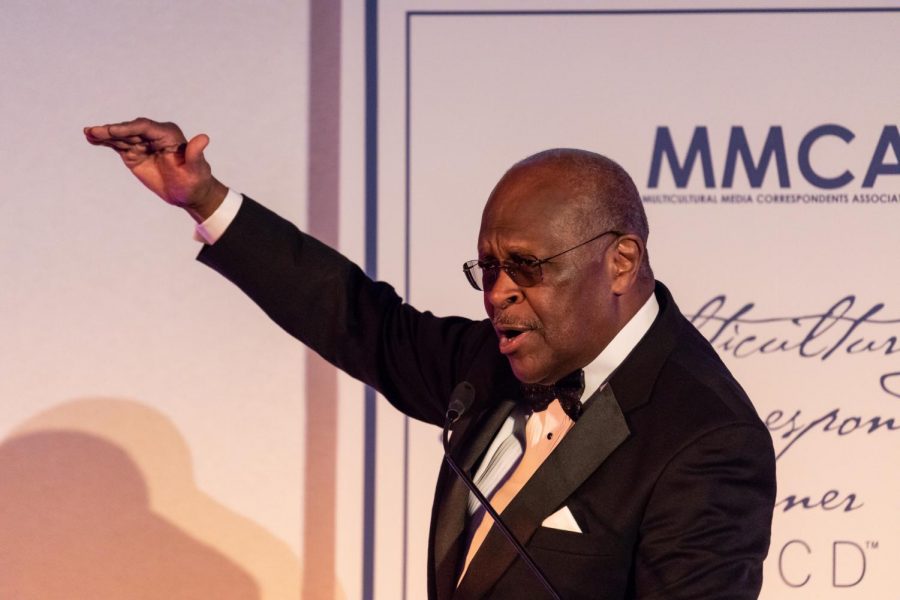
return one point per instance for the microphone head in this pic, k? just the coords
(460, 399)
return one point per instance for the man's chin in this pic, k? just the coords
(528, 372)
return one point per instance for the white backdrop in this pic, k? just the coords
(115, 342)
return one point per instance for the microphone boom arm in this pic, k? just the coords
(520, 549)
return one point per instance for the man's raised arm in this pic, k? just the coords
(162, 158)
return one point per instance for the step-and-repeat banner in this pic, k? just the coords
(765, 144)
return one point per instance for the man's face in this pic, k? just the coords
(563, 322)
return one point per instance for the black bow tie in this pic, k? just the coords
(568, 390)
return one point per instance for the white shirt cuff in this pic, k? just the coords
(210, 230)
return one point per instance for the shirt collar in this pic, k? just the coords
(599, 370)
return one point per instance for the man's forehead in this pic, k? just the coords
(503, 242)
(526, 226)
(533, 202)
(534, 189)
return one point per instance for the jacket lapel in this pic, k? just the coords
(600, 429)
(450, 519)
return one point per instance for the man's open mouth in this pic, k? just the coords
(511, 339)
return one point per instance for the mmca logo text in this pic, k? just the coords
(885, 158)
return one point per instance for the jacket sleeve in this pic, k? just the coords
(705, 532)
(359, 325)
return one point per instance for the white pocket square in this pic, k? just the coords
(562, 519)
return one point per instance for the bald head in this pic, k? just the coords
(587, 191)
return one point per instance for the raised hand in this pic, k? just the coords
(164, 160)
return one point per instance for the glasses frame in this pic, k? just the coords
(513, 268)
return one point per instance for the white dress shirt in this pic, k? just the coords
(215, 225)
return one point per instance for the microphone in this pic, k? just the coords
(460, 399)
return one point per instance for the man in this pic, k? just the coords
(654, 481)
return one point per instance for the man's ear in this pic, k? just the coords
(625, 260)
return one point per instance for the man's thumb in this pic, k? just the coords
(193, 153)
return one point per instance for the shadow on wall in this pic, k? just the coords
(97, 501)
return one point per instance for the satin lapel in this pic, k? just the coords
(598, 432)
(451, 511)
(636, 376)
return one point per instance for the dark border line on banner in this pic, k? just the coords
(371, 148)
(648, 11)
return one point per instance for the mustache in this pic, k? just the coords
(507, 322)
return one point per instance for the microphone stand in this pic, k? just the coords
(453, 413)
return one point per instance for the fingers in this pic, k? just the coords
(160, 136)
(144, 128)
(133, 157)
(131, 152)
(141, 139)
(91, 137)
(97, 134)
(125, 145)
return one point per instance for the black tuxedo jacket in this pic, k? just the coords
(669, 472)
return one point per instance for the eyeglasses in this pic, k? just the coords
(524, 271)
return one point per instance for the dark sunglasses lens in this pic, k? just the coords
(525, 275)
(488, 276)
(473, 273)
(484, 277)
(521, 274)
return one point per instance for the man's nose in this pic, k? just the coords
(504, 292)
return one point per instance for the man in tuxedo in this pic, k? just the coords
(604, 428)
